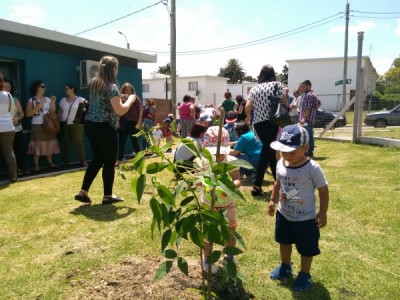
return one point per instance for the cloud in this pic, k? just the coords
(27, 14)
(360, 26)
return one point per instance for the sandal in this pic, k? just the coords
(111, 199)
(37, 168)
(82, 198)
(257, 191)
(52, 166)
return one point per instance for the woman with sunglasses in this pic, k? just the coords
(41, 143)
(70, 132)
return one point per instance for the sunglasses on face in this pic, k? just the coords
(43, 86)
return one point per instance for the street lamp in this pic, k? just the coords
(127, 43)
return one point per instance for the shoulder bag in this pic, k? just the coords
(81, 112)
(278, 112)
(51, 124)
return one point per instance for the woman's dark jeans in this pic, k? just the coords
(267, 133)
(103, 141)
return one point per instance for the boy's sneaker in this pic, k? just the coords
(214, 269)
(302, 282)
(281, 272)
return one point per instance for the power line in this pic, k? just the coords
(365, 17)
(254, 42)
(375, 12)
(120, 18)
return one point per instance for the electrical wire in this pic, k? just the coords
(365, 17)
(254, 42)
(120, 18)
(375, 13)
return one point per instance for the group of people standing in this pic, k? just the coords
(296, 176)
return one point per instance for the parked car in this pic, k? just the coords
(384, 118)
(324, 117)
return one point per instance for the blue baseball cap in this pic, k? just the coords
(290, 138)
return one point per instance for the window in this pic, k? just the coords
(193, 86)
(10, 69)
(145, 87)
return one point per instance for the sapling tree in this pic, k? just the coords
(179, 214)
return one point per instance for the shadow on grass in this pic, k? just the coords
(104, 213)
(317, 291)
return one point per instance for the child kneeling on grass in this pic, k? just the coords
(297, 219)
(210, 143)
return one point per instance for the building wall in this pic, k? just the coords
(323, 73)
(56, 70)
(211, 89)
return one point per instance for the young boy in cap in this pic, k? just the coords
(297, 219)
(224, 201)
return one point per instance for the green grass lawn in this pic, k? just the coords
(47, 239)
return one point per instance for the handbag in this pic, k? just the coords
(51, 124)
(81, 112)
(278, 112)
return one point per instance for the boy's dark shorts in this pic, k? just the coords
(304, 234)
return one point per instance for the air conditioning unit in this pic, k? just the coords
(89, 69)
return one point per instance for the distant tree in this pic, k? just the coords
(233, 70)
(388, 85)
(285, 74)
(283, 77)
(250, 78)
(166, 70)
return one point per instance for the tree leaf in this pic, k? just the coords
(241, 163)
(222, 168)
(156, 167)
(230, 250)
(183, 266)
(138, 162)
(230, 189)
(165, 194)
(138, 184)
(187, 200)
(214, 235)
(156, 209)
(239, 238)
(196, 237)
(166, 239)
(230, 268)
(226, 232)
(188, 224)
(170, 253)
(214, 257)
(163, 270)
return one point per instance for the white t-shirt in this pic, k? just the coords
(297, 199)
(157, 133)
(65, 106)
(38, 119)
(7, 111)
(297, 103)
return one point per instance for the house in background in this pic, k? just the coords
(326, 75)
(29, 53)
(205, 89)
(242, 89)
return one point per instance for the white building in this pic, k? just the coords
(326, 75)
(205, 89)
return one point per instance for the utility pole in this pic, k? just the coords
(173, 57)
(358, 103)
(346, 41)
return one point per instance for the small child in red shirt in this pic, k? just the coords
(166, 130)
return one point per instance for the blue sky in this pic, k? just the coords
(211, 24)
